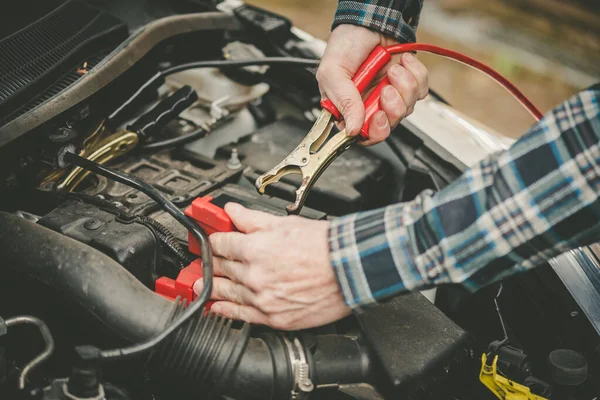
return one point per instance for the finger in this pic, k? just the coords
(340, 89)
(406, 85)
(233, 270)
(393, 105)
(230, 245)
(225, 289)
(248, 221)
(419, 71)
(239, 312)
(379, 128)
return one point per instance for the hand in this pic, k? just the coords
(347, 48)
(278, 269)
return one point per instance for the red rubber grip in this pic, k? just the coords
(381, 56)
(372, 105)
(369, 69)
(378, 59)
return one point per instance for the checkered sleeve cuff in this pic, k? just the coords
(394, 18)
(510, 212)
(373, 253)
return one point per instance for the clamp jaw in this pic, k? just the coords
(104, 145)
(315, 153)
(309, 159)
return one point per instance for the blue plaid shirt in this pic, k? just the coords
(394, 18)
(512, 211)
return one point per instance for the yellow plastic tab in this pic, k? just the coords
(502, 387)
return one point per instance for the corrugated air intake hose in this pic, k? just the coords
(206, 355)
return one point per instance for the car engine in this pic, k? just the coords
(172, 97)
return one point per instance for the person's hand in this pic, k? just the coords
(347, 48)
(278, 269)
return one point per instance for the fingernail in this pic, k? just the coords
(198, 285)
(408, 58)
(381, 120)
(396, 70)
(231, 208)
(390, 94)
(216, 308)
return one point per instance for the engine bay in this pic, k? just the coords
(163, 93)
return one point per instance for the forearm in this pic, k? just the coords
(510, 212)
(394, 18)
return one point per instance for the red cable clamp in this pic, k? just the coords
(211, 218)
(183, 286)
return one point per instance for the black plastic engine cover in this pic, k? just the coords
(251, 199)
(417, 346)
(356, 181)
(181, 177)
(132, 244)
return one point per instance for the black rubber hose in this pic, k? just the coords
(183, 139)
(264, 371)
(82, 274)
(332, 353)
(106, 290)
(205, 355)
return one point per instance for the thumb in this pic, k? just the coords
(246, 220)
(346, 97)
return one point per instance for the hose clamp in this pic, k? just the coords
(303, 386)
(101, 395)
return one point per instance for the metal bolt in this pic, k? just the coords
(60, 159)
(574, 314)
(92, 224)
(234, 160)
(62, 135)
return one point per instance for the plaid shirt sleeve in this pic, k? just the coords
(395, 18)
(510, 212)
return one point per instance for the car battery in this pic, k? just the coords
(208, 211)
